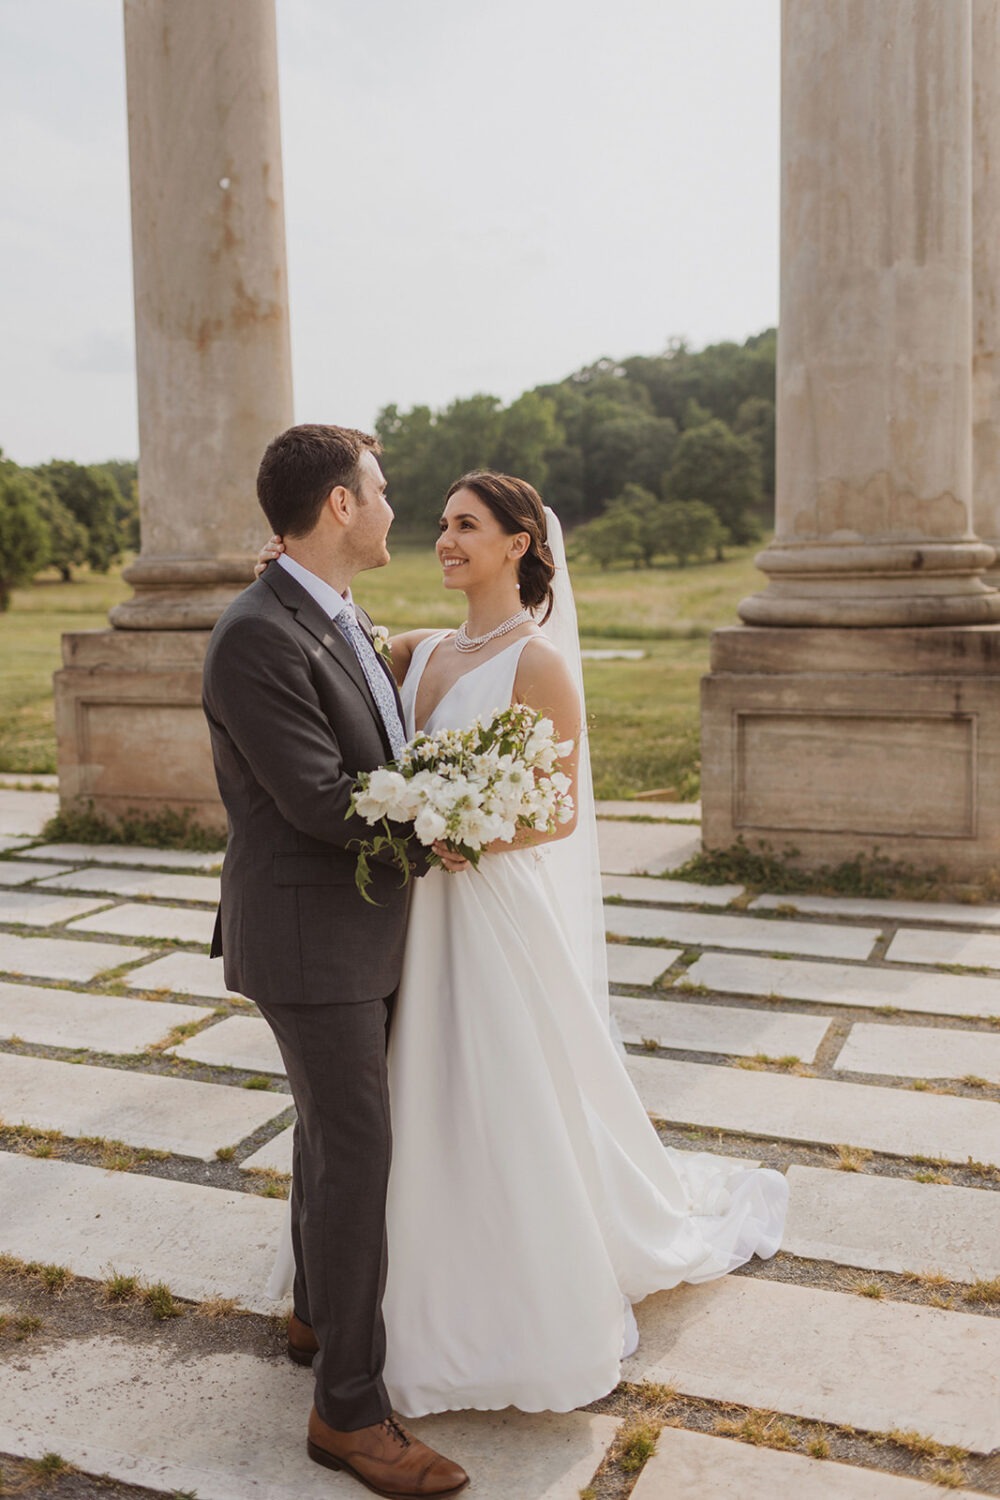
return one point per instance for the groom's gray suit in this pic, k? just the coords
(293, 721)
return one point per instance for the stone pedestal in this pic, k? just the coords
(131, 734)
(214, 386)
(855, 707)
(835, 742)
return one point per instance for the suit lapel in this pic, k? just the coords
(312, 618)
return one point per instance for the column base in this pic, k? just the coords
(130, 732)
(833, 743)
(180, 593)
(879, 584)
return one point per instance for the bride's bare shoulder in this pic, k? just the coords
(402, 648)
(544, 681)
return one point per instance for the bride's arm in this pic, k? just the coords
(402, 647)
(543, 682)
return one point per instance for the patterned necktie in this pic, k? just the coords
(375, 678)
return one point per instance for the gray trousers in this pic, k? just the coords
(335, 1059)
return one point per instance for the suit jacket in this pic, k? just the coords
(292, 722)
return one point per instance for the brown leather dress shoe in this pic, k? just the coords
(302, 1342)
(386, 1458)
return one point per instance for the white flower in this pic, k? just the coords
(429, 825)
(368, 807)
(386, 785)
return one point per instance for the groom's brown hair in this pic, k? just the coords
(300, 468)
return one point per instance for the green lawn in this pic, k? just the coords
(643, 715)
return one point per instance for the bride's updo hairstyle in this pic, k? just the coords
(518, 506)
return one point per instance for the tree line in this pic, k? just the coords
(63, 515)
(653, 456)
(669, 454)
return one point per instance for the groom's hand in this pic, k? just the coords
(451, 861)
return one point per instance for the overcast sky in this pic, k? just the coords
(481, 195)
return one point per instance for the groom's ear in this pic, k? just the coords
(340, 503)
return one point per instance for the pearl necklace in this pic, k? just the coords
(466, 642)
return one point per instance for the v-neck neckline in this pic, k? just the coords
(521, 641)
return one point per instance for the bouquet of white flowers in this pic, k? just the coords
(467, 787)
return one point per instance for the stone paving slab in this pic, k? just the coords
(694, 1466)
(818, 1110)
(42, 908)
(127, 854)
(237, 1042)
(891, 1224)
(25, 814)
(645, 848)
(185, 974)
(11, 844)
(920, 1052)
(924, 946)
(701, 930)
(202, 1241)
(150, 883)
(718, 1028)
(44, 779)
(274, 1156)
(233, 1427)
(848, 984)
(140, 1109)
(826, 1355)
(20, 874)
(61, 958)
(101, 1023)
(633, 965)
(141, 919)
(682, 812)
(955, 913)
(668, 892)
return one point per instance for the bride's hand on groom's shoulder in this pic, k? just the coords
(271, 549)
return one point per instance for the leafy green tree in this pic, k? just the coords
(712, 464)
(470, 433)
(24, 536)
(638, 505)
(688, 528)
(613, 537)
(528, 432)
(68, 541)
(124, 474)
(625, 446)
(756, 419)
(414, 465)
(89, 495)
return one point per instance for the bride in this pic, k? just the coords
(531, 1202)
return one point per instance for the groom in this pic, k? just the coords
(298, 703)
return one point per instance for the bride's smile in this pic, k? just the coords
(480, 559)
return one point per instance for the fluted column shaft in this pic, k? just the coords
(874, 393)
(211, 301)
(986, 271)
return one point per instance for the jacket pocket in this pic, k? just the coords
(312, 869)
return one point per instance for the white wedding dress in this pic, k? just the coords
(530, 1199)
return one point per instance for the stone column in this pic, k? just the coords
(858, 709)
(986, 271)
(874, 459)
(214, 386)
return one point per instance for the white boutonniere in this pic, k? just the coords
(380, 640)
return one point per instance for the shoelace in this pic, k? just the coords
(394, 1430)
